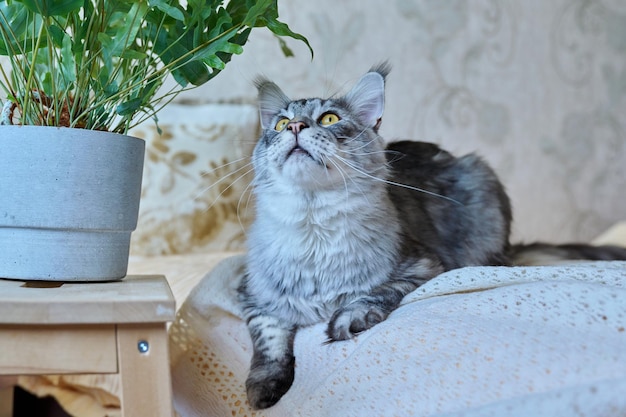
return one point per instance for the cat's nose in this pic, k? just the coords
(296, 127)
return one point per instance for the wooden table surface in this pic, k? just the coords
(134, 299)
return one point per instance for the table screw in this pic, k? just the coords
(143, 346)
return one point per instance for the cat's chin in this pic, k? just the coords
(301, 170)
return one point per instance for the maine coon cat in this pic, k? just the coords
(346, 226)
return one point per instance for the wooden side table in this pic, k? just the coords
(90, 328)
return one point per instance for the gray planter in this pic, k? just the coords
(69, 200)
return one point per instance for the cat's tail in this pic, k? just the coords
(545, 253)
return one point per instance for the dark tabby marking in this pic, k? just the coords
(345, 227)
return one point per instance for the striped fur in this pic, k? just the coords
(346, 226)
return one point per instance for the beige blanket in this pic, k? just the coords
(532, 341)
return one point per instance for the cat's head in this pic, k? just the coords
(317, 144)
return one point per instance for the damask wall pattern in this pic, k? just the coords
(538, 88)
(196, 179)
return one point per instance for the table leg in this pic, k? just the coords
(144, 370)
(6, 401)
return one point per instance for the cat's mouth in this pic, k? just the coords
(297, 150)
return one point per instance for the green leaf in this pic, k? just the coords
(47, 81)
(17, 24)
(167, 9)
(218, 24)
(67, 65)
(128, 107)
(184, 70)
(192, 72)
(57, 34)
(127, 34)
(281, 29)
(105, 40)
(131, 54)
(219, 45)
(49, 8)
(258, 9)
(283, 46)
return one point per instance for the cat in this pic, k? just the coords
(346, 226)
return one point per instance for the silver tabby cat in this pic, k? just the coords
(346, 226)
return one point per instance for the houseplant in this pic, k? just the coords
(80, 74)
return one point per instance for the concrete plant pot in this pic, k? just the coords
(69, 200)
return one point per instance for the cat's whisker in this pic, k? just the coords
(397, 155)
(353, 165)
(216, 199)
(246, 190)
(352, 139)
(344, 175)
(363, 145)
(397, 184)
(350, 152)
(236, 161)
(345, 184)
(224, 178)
(341, 172)
(323, 160)
(250, 194)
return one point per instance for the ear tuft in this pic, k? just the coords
(271, 100)
(367, 97)
(384, 68)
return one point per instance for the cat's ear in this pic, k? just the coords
(271, 101)
(367, 98)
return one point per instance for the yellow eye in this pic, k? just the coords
(328, 119)
(282, 124)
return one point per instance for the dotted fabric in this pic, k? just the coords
(478, 341)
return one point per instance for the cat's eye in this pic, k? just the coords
(282, 124)
(328, 119)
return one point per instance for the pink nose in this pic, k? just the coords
(296, 127)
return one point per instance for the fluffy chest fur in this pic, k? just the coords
(309, 254)
(346, 227)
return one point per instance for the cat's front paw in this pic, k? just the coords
(354, 318)
(266, 384)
